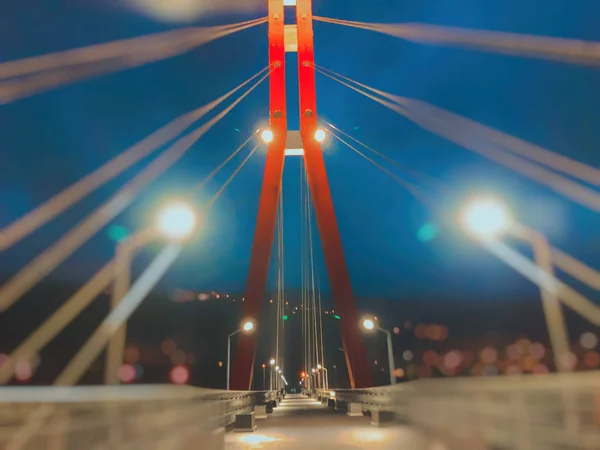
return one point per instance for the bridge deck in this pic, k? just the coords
(300, 423)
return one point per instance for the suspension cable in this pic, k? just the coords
(38, 217)
(47, 261)
(491, 150)
(69, 310)
(313, 303)
(556, 161)
(29, 76)
(88, 353)
(572, 51)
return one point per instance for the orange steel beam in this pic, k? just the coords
(241, 375)
(339, 278)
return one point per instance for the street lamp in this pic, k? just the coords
(487, 219)
(319, 135)
(176, 222)
(247, 327)
(267, 136)
(370, 324)
(264, 367)
(271, 374)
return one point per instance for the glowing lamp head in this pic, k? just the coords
(176, 221)
(319, 366)
(486, 218)
(313, 371)
(267, 136)
(248, 326)
(264, 366)
(272, 361)
(332, 394)
(303, 374)
(368, 324)
(320, 135)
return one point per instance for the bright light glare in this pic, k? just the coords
(319, 366)
(257, 439)
(267, 136)
(277, 368)
(313, 370)
(486, 218)
(176, 221)
(190, 10)
(368, 324)
(248, 326)
(320, 135)
(272, 362)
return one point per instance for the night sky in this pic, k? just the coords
(53, 139)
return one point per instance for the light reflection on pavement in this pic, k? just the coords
(303, 423)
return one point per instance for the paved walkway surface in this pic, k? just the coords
(303, 423)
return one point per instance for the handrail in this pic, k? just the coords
(134, 416)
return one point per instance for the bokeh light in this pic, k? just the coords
(23, 370)
(131, 355)
(127, 373)
(452, 360)
(427, 232)
(168, 346)
(589, 340)
(488, 355)
(179, 374)
(185, 11)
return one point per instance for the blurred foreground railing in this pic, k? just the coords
(549, 412)
(120, 417)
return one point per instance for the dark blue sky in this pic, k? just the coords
(53, 139)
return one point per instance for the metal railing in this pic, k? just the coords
(550, 412)
(120, 417)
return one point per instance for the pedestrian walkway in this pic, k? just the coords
(304, 423)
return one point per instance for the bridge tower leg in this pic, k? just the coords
(339, 278)
(241, 375)
(337, 270)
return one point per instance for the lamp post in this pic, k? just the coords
(175, 222)
(370, 325)
(264, 367)
(246, 327)
(487, 219)
(271, 364)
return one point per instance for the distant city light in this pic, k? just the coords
(168, 347)
(407, 355)
(127, 373)
(23, 370)
(396, 330)
(588, 340)
(179, 374)
(336, 317)
(452, 360)
(131, 355)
